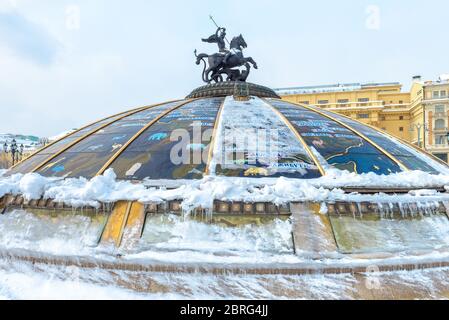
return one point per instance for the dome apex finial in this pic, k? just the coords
(232, 88)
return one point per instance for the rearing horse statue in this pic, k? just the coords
(221, 64)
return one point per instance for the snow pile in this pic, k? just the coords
(82, 192)
(444, 77)
(29, 142)
(31, 186)
(412, 179)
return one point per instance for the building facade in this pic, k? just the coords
(420, 116)
(434, 105)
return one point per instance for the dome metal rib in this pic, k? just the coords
(214, 141)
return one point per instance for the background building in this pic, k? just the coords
(420, 116)
(433, 108)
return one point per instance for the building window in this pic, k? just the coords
(323, 101)
(401, 117)
(364, 100)
(363, 116)
(440, 139)
(442, 156)
(382, 118)
(343, 100)
(440, 124)
(401, 129)
(443, 94)
(304, 102)
(439, 109)
(401, 102)
(436, 95)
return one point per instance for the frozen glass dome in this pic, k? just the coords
(214, 132)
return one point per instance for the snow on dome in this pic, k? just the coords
(61, 135)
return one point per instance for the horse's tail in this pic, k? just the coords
(199, 58)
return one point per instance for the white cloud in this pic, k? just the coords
(27, 39)
(51, 99)
(8, 5)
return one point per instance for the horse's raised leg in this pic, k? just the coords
(251, 60)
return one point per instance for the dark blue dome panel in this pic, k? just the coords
(405, 154)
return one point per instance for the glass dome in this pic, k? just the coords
(255, 137)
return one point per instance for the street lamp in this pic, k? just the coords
(21, 151)
(14, 151)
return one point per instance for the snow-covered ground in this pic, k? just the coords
(29, 142)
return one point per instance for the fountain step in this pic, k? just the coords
(358, 209)
(19, 202)
(305, 268)
(237, 207)
(125, 224)
(361, 190)
(173, 206)
(312, 231)
(279, 281)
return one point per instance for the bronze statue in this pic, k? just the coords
(225, 62)
(218, 38)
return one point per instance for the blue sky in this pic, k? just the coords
(66, 63)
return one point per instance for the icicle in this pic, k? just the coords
(391, 206)
(359, 209)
